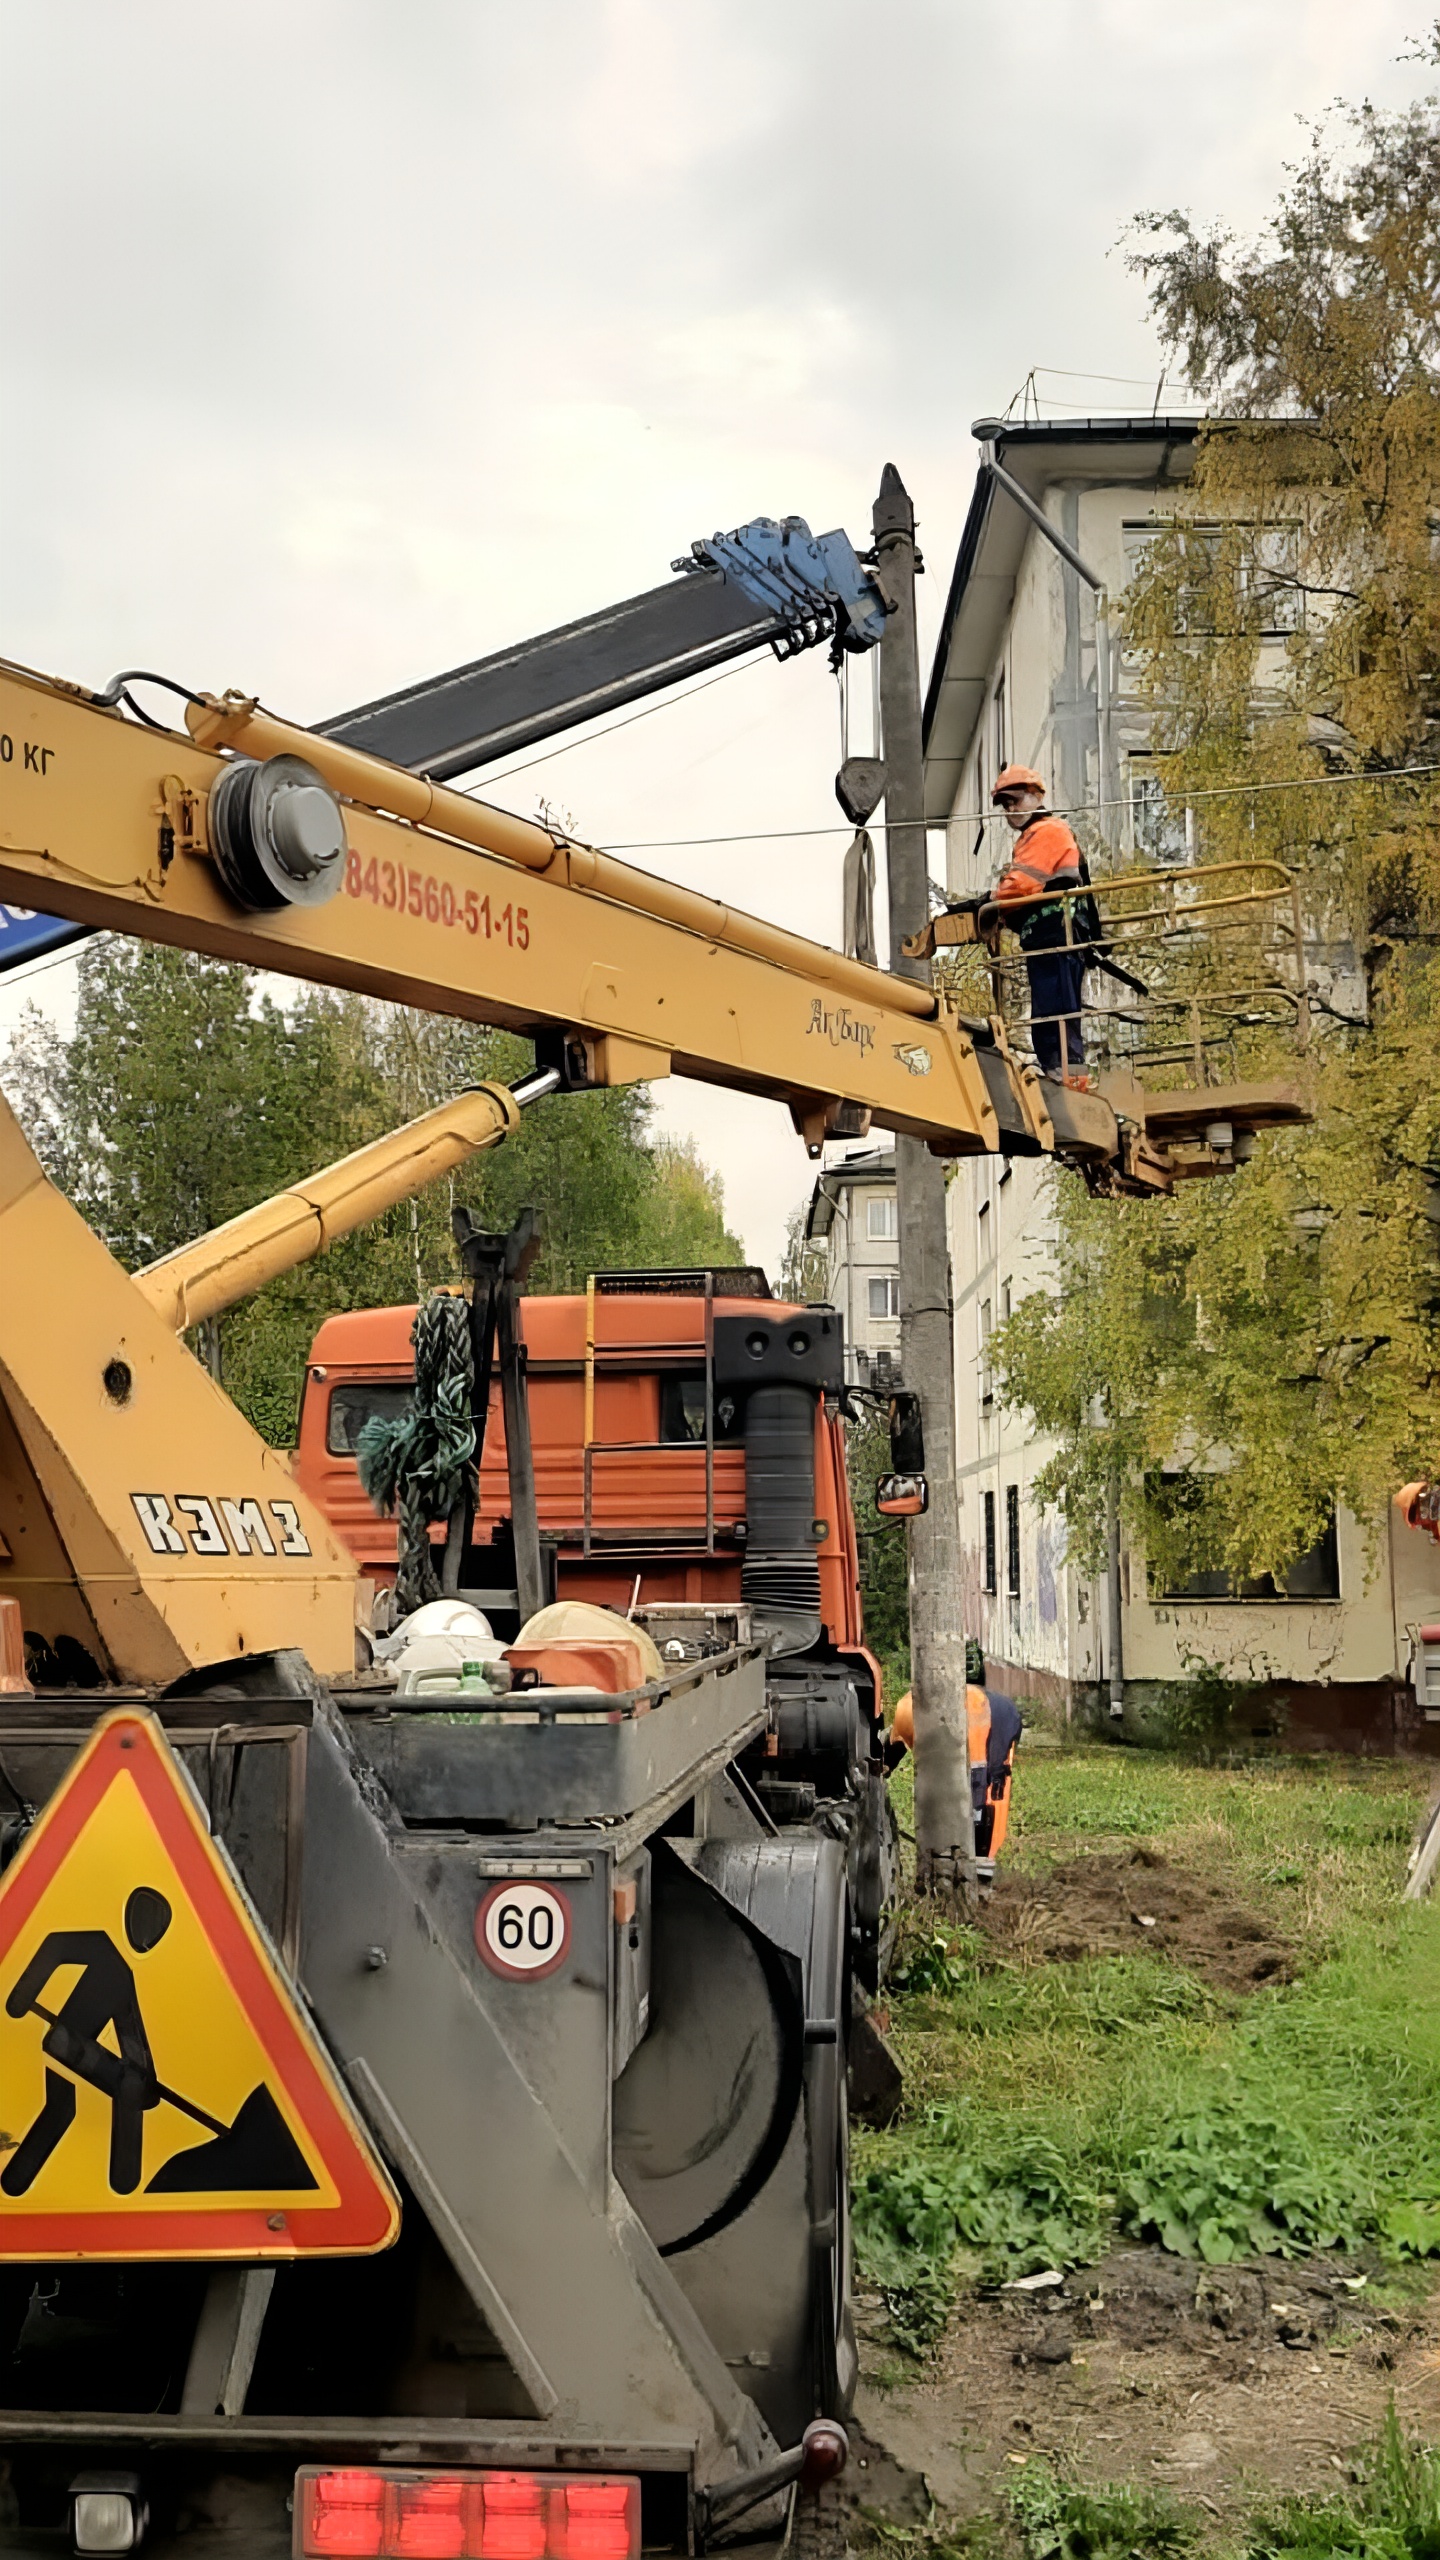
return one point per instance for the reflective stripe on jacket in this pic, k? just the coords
(1046, 856)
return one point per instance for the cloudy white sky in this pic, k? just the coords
(349, 339)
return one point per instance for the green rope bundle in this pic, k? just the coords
(420, 1465)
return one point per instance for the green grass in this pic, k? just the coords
(1053, 2108)
(1058, 2521)
(1390, 2512)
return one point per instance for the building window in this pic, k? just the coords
(1315, 1575)
(884, 1297)
(1001, 759)
(991, 1584)
(1159, 831)
(1238, 576)
(1274, 580)
(987, 1327)
(882, 1222)
(1012, 1540)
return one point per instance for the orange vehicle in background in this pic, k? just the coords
(688, 1456)
(617, 1389)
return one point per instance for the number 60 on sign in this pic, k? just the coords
(523, 1930)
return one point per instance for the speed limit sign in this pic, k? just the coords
(523, 1930)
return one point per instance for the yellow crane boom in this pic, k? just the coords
(204, 1278)
(400, 888)
(105, 822)
(141, 1519)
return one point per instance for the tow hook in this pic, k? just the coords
(820, 2456)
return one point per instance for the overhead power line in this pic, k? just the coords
(595, 735)
(979, 817)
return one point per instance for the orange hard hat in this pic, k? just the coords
(1017, 777)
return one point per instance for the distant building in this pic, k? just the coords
(1014, 678)
(852, 1233)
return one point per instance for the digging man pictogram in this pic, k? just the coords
(256, 2151)
(105, 1996)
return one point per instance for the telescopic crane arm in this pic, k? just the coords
(256, 841)
(767, 585)
(140, 1517)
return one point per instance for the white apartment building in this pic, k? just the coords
(1014, 678)
(852, 1230)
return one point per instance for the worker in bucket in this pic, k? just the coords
(1046, 857)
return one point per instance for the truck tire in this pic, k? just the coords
(731, 2136)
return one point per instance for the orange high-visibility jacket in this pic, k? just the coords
(1046, 856)
(993, 1794)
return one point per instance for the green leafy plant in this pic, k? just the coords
(1230, 2183)
(938, 1961)
(1410, 2230)
(1016, 2211)
(1057, 2520)
(1200, 1715)
(1059, 2107)
(1285, 631)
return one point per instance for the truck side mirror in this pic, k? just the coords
(902, 1497)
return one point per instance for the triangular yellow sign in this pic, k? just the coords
(161, 2095)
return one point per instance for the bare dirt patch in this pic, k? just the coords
(1099, 1905)
(1220, 2384)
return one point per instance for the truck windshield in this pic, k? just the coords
(353, 1406)
(682, 1413)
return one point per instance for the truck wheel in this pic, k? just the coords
(730, 2131)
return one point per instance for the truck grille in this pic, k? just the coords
(781, 1582)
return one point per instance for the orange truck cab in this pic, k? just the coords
(689, 1456)
(617, 1387)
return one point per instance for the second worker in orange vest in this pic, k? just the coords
(1046, 856)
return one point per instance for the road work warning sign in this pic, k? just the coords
(161, 2095)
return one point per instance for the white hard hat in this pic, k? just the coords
(443, 1636)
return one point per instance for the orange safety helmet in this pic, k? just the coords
(1018, 777)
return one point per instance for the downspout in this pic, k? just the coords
(1104, 719)
(1117, 1639)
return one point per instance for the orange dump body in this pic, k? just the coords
(647, 1494)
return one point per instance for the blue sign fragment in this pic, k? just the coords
(25, 936)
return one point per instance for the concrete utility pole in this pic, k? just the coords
(944, 1818)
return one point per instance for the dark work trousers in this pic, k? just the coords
(1057, 977)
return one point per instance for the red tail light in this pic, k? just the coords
(425, 2519)
(513, 2523)
(469, 2515)
(343, 2511)
(595, 2520)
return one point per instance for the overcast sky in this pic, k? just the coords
(346, 340)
